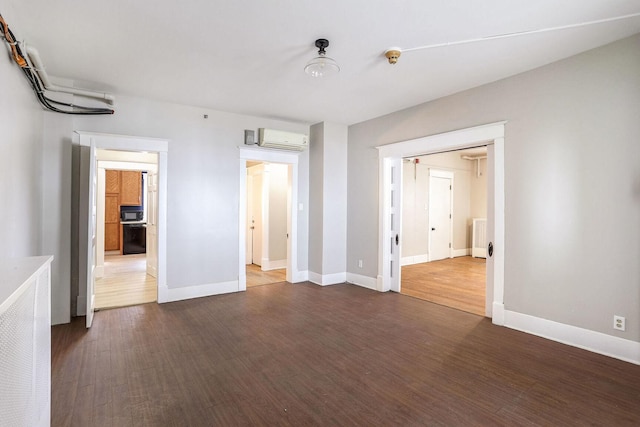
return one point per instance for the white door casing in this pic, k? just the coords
(440, 214)
(491, 135)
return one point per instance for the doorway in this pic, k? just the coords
(390, 169)
(444, 196)
(266, 222)
(126, 229)
(86, 165)
(290, 159)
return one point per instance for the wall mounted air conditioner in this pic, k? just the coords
(271, 138)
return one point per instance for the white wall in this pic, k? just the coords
(203, 188)
(572, 183)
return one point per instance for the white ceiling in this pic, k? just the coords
(248, 56)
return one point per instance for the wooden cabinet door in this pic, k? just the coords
(131, 188)
(112, 181)
(112, 237)
(111, 222)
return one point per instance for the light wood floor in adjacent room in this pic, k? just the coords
(456, 282)
(257, 277)
(342, 355)
(125, 282)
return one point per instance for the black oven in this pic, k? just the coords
(134, 238)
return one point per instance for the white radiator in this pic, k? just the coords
(25, 342)
(479, 247)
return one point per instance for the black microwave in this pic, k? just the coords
(131, 216)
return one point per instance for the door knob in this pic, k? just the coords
(397, 239)
(490, 249)
(433, 229)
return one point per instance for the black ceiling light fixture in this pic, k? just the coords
(321, 65)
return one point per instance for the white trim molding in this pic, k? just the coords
(198, 291)
(461, 252)
(597, 342)
(327, 279)
(415, 259)
(277, 264)
(364, 281)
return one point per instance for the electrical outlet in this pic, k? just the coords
(619, 323)
(359, 263)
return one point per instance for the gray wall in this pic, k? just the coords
(31, 170)
(316, 201)
(328, 200)
(572, 183)
(203, 184)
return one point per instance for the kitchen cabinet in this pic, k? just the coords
(112, 182)
(111, 222)
(130, 188)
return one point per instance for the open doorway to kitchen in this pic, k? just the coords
(89, 230)
(126, 261)
(444, 215)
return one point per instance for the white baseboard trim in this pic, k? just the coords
(364, 281)
(461, 252)
(198, 291)
(327, 279)
(300, 276)
(415, 259)
(273, 265)
(597, 342)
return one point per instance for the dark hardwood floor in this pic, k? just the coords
(339, 355)
(454, 282)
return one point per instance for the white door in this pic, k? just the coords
(392, 176)
(152, 224)
(256, 217)
(91, 234)
(249, 220)
(440, 215)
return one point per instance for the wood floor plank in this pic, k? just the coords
(125, 282)
(455, 282)
(257, 277)
(342, 355)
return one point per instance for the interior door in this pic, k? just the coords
(393, 224)
(152, 224)
(256, 218)
(440, 217)
(91, 234)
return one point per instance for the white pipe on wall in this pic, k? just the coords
(34, 57)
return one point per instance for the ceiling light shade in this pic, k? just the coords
(321, 65)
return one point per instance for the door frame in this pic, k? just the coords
(92, 141)
(491, 135)
(271, 156)
(436, 173)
